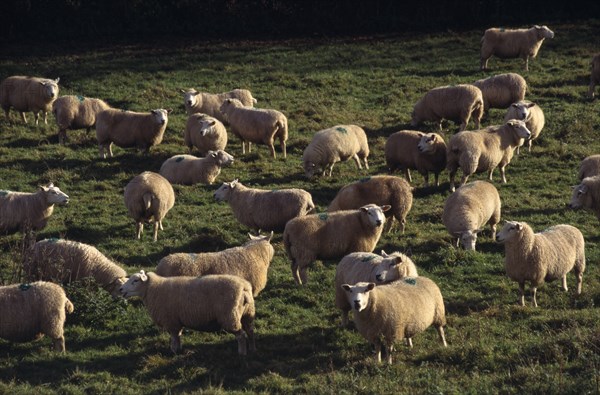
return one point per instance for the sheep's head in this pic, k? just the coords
(161, 115)
(224, 191)
(375, 213)
(581, 196)
(135, 285)
(206, 126)
(358, 294)
(190, 97)
(520, 128)
(521, 110)
(509, 231)
(389, 269)
(259, 237)
(50, 88)
(544, 32)
(229, 103)
(428, 142)
(310, 169)
(468, 238)
(115, 287)
(221, 157)
(54, 195)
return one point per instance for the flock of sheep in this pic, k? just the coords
(390, 301)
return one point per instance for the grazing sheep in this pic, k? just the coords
(379, 190)
(205, 133)
(250, 261)
(76, 112)
(210, 103)
(198, 303)
(587, 195)
(148, 197)
(331, 236)
(468, 209)
(398, 310)
(256, 125)
(190, 170)
(130, 129)
(590, 166)
(338, 143)
(264, 210)
(531, 114)
(30, 311)
(455, 103)
(424, 152)
(544, 256)
(502, 90)
(65, 261)
(28, 94)
(369, 267)
(595, 75)
(484, 150)
(513, 43)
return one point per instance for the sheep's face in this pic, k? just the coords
(468, 239)
(581, 197)
(544, 32)
(161, 116)
(358, 295)
(375, 214)
(223, 159)
(510, 230)
(55, 195)
(310, 169)
(115, 287)
(427, 143)
(191, 98)
(224, 191)
(389, 269)
(50, 88)
(520, 128)
(206, 126)
(228, 104)
(135, 285)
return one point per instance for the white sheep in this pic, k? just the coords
(541, 257)
(76, 112)
(205, 133)
(329, 146)
(594, 75)
(261, 209)
(26, 94)
(455, 103)
(65, 261)
(190, 170)
(399, 310)
(484, 150)
(368, 267)
(130, 129)
(210, 103)
(502, 90)
(587, 195)
(181, 302)
(531, 114)
(331, 236)
(379, 190)
(589, 167)
(30, 311)
(256, 125)
(513, 43)
(148, 197)
(411, 150)
(250, 261)
(468, 209)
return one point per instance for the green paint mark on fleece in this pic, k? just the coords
(341, 130)
(323, 216)
(52, 240)
(80, 98)
(24, 287)
(367, 258)
(4, 193)
(411, 281)
(179, 159)
(364, 179)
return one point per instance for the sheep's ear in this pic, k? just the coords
(270, 236)
(519, 226)
(365, 209)
(57, 79)
(169, 110)
(384, 254)
(529, 105)
(537, 26)
(153, 112)
(385, 207)
(346, 287)
(234, 183)
(147, 197)
(143, 276)
(370, 286)
(213, 154)
(397, 261)
(50, 185)
(212, 123)
(196, 93)
(182, 90)
(511, 122)
(583, 189)
(515, 105)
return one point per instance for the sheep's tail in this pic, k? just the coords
(69, 308)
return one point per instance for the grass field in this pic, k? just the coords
(495, 345)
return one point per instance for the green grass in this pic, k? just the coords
(494, 344)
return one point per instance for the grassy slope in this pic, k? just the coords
(494, 345)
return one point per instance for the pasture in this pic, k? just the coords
(494, 345)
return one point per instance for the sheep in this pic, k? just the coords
(594, 75)
(76, 112)
(190, 170)
(484, 150)
(250, 261)
(424, 152)
(590, 166)
(338, 143)
(468, 209)
(531, 114)
(256, 125)
(264, 210)
(205, 133)
(130, 129)
(398, 310)
(65, 261)
(378, 269)
(501, 90)
(197, 303)
(30, 311)
(28, 94)
(380, 190)
(148, 197)
(456, 103)
(331, 236)
(544, 256)
(513, 43)
(587, 195)
(209, 103)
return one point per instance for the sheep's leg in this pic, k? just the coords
(304, 275)
(366, 163)
(110, 154)
(579, 281)
(248, 327)
(591, 90)
(522, 290)
(161, 227)
(437, 179)
(529, 145)
(139, 229)
(388, 225)
(518, 150)
(426, 178)
(407, 175)
(409, 342)
(36, 116)
(534, 291)
(243, 147)
(62, 136)
(296, 273)
(503, 174)
(564, 283)
(388, 350)
(282, 145)
(357, 160)
(24, 117)
(377, 347)
(176, 341)
(242, 340)
(440, 330)
(272, 148)
(249, 147)
(526, 63)
(493, 228)
(59, 344)
(156, 226)
(483, 63)
(330, 169)
(46, 117)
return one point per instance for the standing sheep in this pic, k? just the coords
(424, 152)
(544, 256)
(28, 94)
(181, 302)
(130, 129)
(76, 112)
(595, 75)
(338, 143)
(379, 190)
(468, 209)
(531, 114)
(205, 133)
(513, 43)
(250, 262)
(264, 210)
(256, 125)
(587, 195)
(149, 197)
(589, 167)
(210, 103)
(190, 170)
(331, 236)
(455, 103)
(502, 90)
(388, 313)
(484, 150)
(30, 311)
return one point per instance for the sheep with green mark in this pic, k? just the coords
(76, 112)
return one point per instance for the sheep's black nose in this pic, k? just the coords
(379, 222)
(378, 277)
